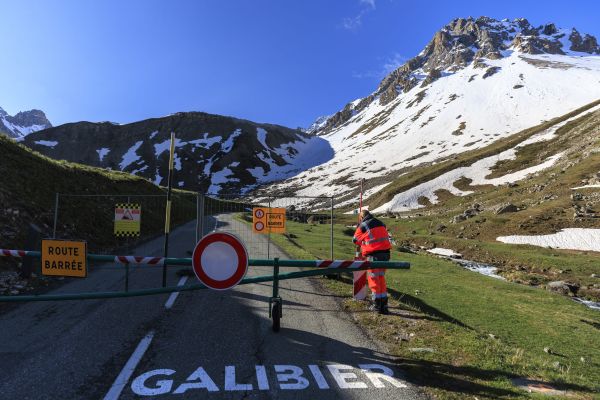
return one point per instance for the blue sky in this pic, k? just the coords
(276, 61)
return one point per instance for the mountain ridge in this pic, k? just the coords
(214, 153)
(476, 81)
(23, 123)
(453, 46)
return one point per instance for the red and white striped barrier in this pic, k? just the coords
(139, 260)
(359, 282)
(360, 277)
(12, 253)
(360, 285)
(349, 264)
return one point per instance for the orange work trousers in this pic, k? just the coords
(376, 279)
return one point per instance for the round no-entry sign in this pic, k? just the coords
(220, 260)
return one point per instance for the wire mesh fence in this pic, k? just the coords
(234, 214)
(92, 218)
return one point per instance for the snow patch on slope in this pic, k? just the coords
(130, 156)
(47, 143)
(477, 172)
(585, 239)
(102, 152)
(261, 135)
(18, 130)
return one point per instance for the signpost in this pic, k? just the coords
(168, 207)
(127, 219)
(220, 260)
(268, 220)
(64, 258)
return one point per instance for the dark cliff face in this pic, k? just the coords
(465, 41)
(23, 122)
(214, 153)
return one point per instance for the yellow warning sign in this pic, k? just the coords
(64, 258)
(265, 220)
(127, 219)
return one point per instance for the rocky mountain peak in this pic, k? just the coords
(23, 123)
(470, 41)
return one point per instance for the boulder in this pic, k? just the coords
(507, 208)
(565, 288)
(470, 212)
(558, 287)
(458, 218)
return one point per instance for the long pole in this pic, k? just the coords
(362, 181)
(55, 215)
(269, 234)
(168, 208)
(360, 205)
(197, 218)
(331, 232)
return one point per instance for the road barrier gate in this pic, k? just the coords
(311, 268)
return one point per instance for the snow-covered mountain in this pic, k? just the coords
(477, 81)
(214, 154)
(23, 123)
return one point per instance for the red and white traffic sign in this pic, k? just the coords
(220, 260)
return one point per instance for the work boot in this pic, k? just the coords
(383, 309)
(376, 306)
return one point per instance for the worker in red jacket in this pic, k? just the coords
(374, 240)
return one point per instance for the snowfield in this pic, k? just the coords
(445, 252)
(459, 112)
(20, 131)
(130, 156)
(585, 239)
(585, 187)
(47, 143)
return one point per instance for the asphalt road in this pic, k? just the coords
(201, 344)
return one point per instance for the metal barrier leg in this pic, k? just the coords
(275, 303)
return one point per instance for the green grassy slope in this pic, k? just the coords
(30, 182)
(424, 174)
(483, 331)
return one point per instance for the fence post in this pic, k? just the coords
(55, 215)
(199, 216)
(331, 238)
(276, 277)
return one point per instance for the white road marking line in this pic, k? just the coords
(174, 295)
(119, 384)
